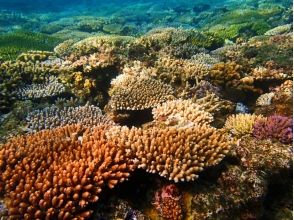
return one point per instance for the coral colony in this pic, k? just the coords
(111, 118)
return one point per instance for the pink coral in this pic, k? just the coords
(168, 202)
(274, 127)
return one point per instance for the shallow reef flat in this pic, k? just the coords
(124, 113)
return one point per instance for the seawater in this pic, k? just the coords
(147, 109)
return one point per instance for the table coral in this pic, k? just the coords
(138, 92)
(51, 87)
(52, 117)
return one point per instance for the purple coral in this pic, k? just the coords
(274, 127)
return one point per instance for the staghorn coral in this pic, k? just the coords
(50, 88)
(64, 48)
(52, 117)
(168, 201)
(181, 113)
(274, 127)
(241, 124)
(137, 92)
(57, 174)
(177, 154)
(283, 99)
(14, 43)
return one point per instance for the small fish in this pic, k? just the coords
(241, 108)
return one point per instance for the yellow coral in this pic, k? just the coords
(241, 124)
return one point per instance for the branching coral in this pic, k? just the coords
(181, 113)
(177, 154)
(53, 117)
(137, 92)
(178, 70)
(34, 56)
(241, 124)
(221, 73)
(274, 127)
(56, 174)
(115, 44)
(50, 88)
(168, 202)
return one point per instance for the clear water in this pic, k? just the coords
(68, 62)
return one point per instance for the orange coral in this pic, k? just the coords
(56, 174)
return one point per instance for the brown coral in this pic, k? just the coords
(56, 174)
(138, 92)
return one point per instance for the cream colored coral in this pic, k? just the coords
(138, 92)
(178, 154)
(241, 124)
(181, 113)
(174, 69)
(265, 99)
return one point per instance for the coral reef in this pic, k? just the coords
(178, 81)
(274, 127)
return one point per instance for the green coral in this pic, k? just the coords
(14, 43)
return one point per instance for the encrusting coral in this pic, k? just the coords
(57, 174)
(241, 124)
(53, 117)
(168, 201)
(137, 92)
